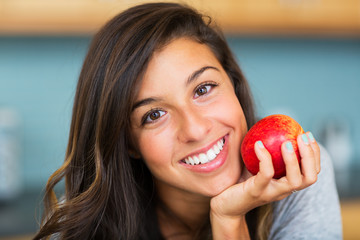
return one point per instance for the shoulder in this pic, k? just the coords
(312, 213)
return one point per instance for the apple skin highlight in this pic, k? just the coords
(272, 130)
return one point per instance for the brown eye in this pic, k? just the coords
(204, 89)
(153, 116)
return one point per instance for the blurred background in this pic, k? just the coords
(301, 57)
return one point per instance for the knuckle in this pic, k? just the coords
(282, 197)
(266, 199)
(255, 194)
(316, 147)
(289, 158)
(216, 205)
(267, 171)
(268, 174)
(296, 184)
(319, 170)
(311, 179)
(293, 162)
(310, 150)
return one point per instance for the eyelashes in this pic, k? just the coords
(152, 116)
(155, 114)
(204, 88)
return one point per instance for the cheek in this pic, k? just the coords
(155, 148)
(229, 111)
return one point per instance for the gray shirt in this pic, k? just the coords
(312, 213)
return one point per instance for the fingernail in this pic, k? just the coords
(305, 139)
(312, 139)
(289, 146)
(260, 144)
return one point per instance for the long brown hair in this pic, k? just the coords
(109, 195)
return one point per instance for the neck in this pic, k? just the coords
(182, 212)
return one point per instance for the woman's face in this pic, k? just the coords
(187, 122)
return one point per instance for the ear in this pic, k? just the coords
(134, 154)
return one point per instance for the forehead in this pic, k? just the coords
(174, 63)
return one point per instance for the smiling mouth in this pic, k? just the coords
(207, 156)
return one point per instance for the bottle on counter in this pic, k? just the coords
(10, 173)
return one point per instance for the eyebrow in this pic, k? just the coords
(195, 75)
(144, 102)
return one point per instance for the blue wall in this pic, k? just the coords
(313, 80)
(38, 79)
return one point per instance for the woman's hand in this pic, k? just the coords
(228, 209)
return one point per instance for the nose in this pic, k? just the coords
(193, 125)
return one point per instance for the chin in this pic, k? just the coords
(220, 186)
(225, 180)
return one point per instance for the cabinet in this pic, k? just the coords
(248, 17)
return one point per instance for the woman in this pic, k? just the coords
(160, 111)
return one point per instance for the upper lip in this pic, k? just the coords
(203, 149)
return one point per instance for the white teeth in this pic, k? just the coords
(191, 161)
(203, 158)
(211, 154)
(220, 145)
(196, 160)
(208, 156)
(216, 149)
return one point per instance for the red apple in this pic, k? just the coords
(272, 130)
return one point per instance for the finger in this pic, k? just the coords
(266, 168)
(293, 172)
(308, 161)
(314, 145)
